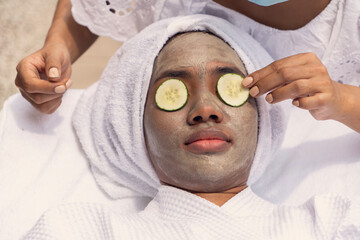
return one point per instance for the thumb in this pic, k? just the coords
(53, 67)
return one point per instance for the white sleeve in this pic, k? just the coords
(121, 19)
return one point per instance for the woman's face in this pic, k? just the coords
(206, 146)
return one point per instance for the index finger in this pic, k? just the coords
(30, 81)
(276, 66)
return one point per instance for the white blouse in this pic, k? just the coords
(334, 35)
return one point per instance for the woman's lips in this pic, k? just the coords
(207, 141)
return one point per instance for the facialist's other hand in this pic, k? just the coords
(44, 76)
(304, 79)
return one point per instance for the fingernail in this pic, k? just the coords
(296, 103)
(53, 73)
(68, 84)
(269, 98)
(247, 81)
(254, 91)
(60, 89)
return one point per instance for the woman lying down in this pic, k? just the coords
(170, 120)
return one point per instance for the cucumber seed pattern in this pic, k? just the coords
(233, 88)
(172, 95)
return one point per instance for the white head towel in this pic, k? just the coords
(109, 117)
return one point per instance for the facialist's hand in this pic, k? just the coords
(44, 76)
(304, 79)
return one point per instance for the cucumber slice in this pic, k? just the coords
(231, 91)
(171, 95)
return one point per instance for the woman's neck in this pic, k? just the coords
(220, 198)
(288, 15)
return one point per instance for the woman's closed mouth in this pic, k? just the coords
(207, 141)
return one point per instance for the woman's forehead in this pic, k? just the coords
(196, 42)
(195, 48)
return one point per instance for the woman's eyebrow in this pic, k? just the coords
(224, 70)
(173, 74)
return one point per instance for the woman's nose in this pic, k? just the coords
(204, 111)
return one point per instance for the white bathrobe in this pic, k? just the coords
(177, 214)
(117, 154)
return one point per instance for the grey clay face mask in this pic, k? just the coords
(206, 146)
